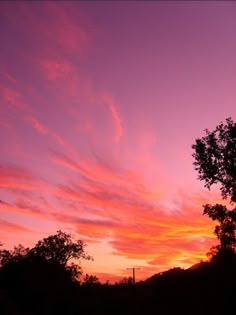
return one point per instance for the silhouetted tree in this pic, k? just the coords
(60, 248)
(225, 230)
(215, 161)
(74, 271)
(126, 281)
(43, 273)
(215, 158)
(90, 280)
(18, 253)
(56, 249)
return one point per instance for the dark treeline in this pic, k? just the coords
(42, 280)
(37, 286)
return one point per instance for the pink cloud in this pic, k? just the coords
(13, 98)
(36, 125)
(55, 69)
(60, 29)
(7, 75)
(10, 227)
(18, 179)
(41, 129)
(101, 173)
(64, 29)
(11, 172)
(116, 117)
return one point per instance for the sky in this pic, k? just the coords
(100, 102)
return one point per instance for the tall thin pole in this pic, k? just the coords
(133, 268)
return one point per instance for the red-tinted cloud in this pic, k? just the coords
(9, 227)
(139, 228)
(14, 177)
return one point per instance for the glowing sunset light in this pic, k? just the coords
(100, 102)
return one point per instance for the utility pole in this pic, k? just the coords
(133, 268)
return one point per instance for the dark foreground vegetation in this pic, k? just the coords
(40, 287)
(42, 280)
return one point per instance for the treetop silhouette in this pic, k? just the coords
(57, 250)
(60, 248)
(215, 162)
(215, 158)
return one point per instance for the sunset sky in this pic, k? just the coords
(100, 102)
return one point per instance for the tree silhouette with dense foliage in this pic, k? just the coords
(43, 273)
(59, 248)
(90, 280)
(215, 162)
(9, 256)
(56, 249)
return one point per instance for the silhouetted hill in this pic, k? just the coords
(202, 264)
